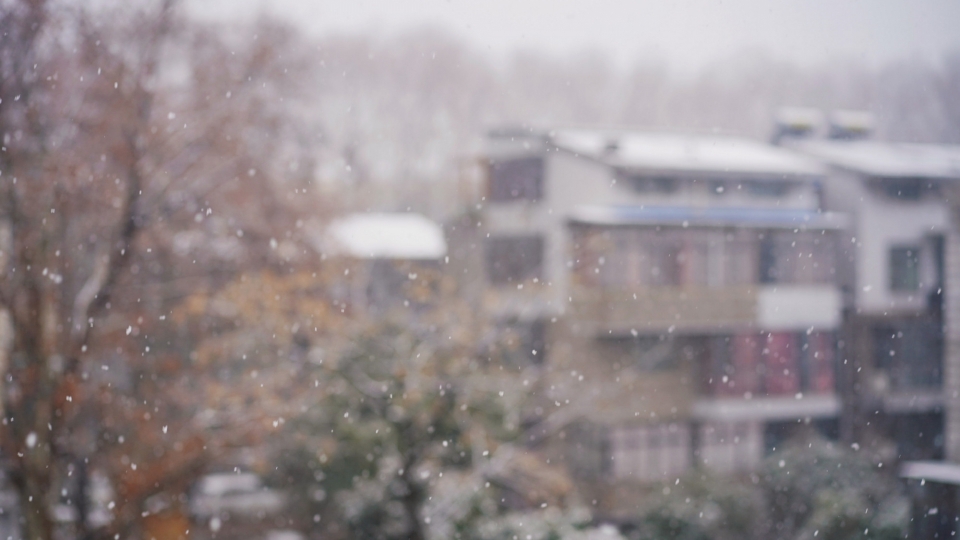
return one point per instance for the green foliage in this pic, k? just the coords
(374, 509)
(816, 488)
(812, 489)
(548, 524)
(403, 406)
(701, 507)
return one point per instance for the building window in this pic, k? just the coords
(909, 189)
(671, 257)
(665, 269)
(653, 184)
(781, 368)
(645, 353)
(730, 446)
(718, 187)
(910, 353)
(769, 363)
(732, 365)
(523, 342)
(516, 179)
(796, 257)
(905, 268)
(817, 362)
(514, 259)
(535, 341)
(655, 452)
(767, 188)
(769, 269)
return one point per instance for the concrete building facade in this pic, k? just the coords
(893, 269)
(682, 291)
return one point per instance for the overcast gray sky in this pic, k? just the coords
(688, 34)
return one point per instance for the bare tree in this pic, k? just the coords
(134, 167)
(55, 280)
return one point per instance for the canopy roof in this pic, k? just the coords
(387, 236)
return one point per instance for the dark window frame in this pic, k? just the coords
(910, 352)
(768, 260)
(904, 189)
(651, 184)
(514, 259)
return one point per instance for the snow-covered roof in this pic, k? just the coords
(387, 236)
(698, 154)
(885, 159)
(767, 218)
(241, 493)
(220, 484)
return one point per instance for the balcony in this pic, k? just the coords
(527, 300)
(619, 311)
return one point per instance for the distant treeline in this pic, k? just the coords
(411, 107)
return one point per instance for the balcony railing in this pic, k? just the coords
(608, 310)
(621, 311)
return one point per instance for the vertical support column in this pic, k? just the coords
(951, 321)
(696, 444)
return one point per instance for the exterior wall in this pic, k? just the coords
(730, 446)
(566, 179)
(880, 223)
(571, 181)
(879, 400)
(592, 391)
(787, 307)
(628, 414)
(597, 383)
(604, 414)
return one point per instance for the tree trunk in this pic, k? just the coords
(412, 503)
(83, 499)
(414, 497)
(31, 430)
(33, 483)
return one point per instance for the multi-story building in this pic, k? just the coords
(681, 289)
(891, 268)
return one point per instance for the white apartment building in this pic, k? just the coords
(688, 282)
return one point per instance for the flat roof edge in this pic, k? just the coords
(707, 217)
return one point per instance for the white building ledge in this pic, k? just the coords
(934, 471)
(767, 408)
(788, 307)
(912, 402)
